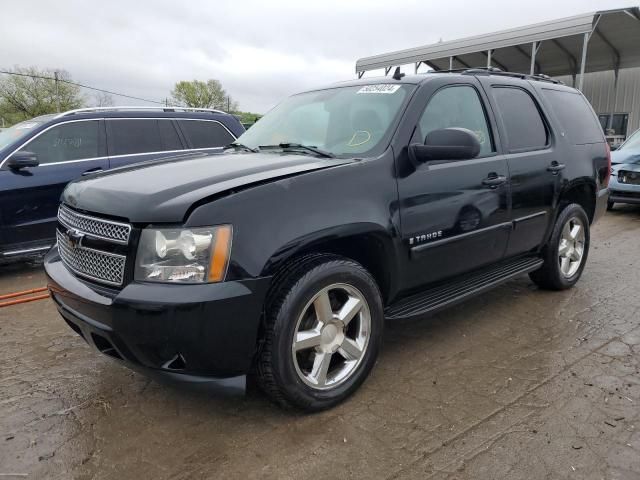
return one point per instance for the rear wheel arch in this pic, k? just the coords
(582, 192)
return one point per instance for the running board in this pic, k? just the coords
(459, 289)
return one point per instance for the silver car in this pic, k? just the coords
(625, 172)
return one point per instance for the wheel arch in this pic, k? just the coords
(581, 191)
(366, 243)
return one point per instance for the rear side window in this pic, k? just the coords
(169, 135)
(575, 116)
(205, 134)
(524, 126)
(68, 141)
(134, 136)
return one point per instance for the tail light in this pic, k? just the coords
(607, 175)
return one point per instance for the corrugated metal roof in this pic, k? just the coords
(614, 41)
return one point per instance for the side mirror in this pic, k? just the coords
(22, 159)
(446, 144)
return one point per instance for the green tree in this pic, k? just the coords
(199, 94)
(33, 92)
(248, 117)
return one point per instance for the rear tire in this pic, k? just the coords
(610, 205)
(323, 330)
(566, 253)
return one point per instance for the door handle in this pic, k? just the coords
(93, 170)
(494, 181)
(555, 167)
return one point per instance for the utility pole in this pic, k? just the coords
(228, 104)
(55, 74)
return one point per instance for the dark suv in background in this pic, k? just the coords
(40, 156)
(368, 200)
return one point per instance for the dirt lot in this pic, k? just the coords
(518, 384)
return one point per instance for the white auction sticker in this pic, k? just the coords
(381, 88)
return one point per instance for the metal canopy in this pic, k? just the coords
(603, 40)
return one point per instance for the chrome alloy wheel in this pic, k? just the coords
(331, 336)
(571, 247)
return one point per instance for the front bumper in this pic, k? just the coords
(203, 334)
(623, 192)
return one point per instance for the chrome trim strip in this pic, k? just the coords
(418, 249)
(71, 212)
(529, 217)
(99, 252)
(125, 108)
(26, 250)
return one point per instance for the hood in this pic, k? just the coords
(162, 192)
(625, 156)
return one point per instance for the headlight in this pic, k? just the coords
(193, 255)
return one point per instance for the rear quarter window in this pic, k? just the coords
(575, 115)
(205, 133)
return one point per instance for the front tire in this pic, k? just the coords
(566, 253)
(610, 205)
(324, 323)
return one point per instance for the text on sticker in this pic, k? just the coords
(382, 88)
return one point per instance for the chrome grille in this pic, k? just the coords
(96, 227)
(93, 264)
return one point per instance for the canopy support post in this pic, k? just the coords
(615, 99)
(450, 63)
(583, 62)
(535, 46)
(489, 58)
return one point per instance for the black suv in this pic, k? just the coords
(345, 206)
(40, 156)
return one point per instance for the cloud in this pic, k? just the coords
(260, 51)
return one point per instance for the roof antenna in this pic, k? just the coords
(397, 75)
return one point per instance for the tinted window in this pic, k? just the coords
(134, 136)
(169, 135)
(524, 126)
(69, 141)
(576, 117)
(205, 134)
(457, 107)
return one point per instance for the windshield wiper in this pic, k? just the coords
(240, 146)
(299, 146)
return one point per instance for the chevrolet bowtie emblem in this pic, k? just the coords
(74, 238)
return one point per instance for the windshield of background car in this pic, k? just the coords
(17, 132)
(632, 143)
(346, 121)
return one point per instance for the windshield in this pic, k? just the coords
(347, 121)
(18, 131)
(632, 143)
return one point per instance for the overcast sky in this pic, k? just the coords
(260, 51)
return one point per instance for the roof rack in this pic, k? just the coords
(496, 71)
(128, 108)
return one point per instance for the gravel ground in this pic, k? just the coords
(518, 384)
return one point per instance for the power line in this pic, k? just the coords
(82, 86)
